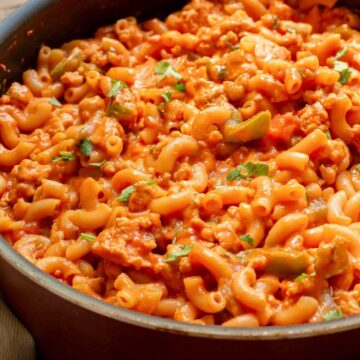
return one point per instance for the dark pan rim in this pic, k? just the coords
(99, 307)
(31, 272)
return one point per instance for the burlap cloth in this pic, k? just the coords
(15, 341)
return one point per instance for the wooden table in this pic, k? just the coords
(8, 6)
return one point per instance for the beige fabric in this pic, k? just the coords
(7, 6)
(15, 342)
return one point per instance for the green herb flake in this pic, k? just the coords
(328, 134)
(248, 239)
(222, 73)
(304, 276)
(292, 31)
(86, 147)
(180, 87)
(164, 69)
(343, 69)
(98, 164)
(117, 110)
(301, 73)
(342, 52)
(234, 48)
(126, 193)
(64, 156)
(333, 315)
(167, 97)
(55, 102)
(151, 183)
(118, 85)
(88, 237)
(276, 23)
(248, 171)
(176, 255)
(357, 168)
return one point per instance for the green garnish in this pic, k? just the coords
(117, 110)
(86, 146)
(292, 30)
(222, 73)
(55, 102)
(127, 192)
(333, 315)
(301, 73)
(88, 237)
(248, 239)
(118, 85)
(234, 48)
(98, 164)
(343, 69)
(304, 276)
(342, 52)
(276, 23)
(248, 171)
(167, 97)
(180, 87)
(176, 255)
(151, 183)
(357, 167)
(71, 63)
(164, 69)
(64, 156)
(328, 134)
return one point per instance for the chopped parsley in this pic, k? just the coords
(333, 315)
(304, 276)
(176, 255)
(248, 239)
(127, 192)
(301, 73)
(343, 69)
(276, 23)
(55, 102)
(180, 87)
(86, 146)
(118, 85)
(342, 52)
(292, 30)
(64, 156)
(164, 69)
(222, 73)
(98, 164)
(167, 97)
(328, 134)
(248, 171)
(88, 237)
(357, 167)
(117, 110)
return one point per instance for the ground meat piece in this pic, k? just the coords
(30, 171)
(208, 93)
(313, 117)
(130, 242)
(20, 95)
(283, 127)
(72, 79)
(128, 32)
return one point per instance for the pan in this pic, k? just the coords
(69, 325)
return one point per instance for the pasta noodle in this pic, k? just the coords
(202, 168)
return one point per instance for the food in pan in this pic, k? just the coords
(203, 168)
